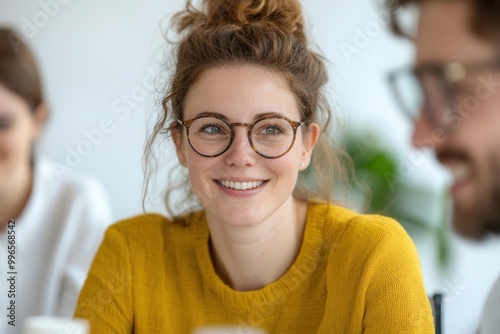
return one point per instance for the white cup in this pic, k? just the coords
(55, 325)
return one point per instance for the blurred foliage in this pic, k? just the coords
(393, 195)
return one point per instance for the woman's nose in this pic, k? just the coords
(241, 152)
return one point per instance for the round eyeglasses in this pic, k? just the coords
(271, 136)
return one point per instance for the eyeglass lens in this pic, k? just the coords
(425, 93)
(270, 137)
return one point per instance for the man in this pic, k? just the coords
(456, 77)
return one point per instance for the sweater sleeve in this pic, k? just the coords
(396, 301)
(106, 298)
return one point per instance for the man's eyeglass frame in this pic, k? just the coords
(448, 74)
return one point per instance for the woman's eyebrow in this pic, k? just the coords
(212, 114)
(266, 114)
(224, 117)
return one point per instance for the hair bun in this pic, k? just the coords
(285, 14)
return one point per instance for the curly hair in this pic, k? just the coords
(267, 33)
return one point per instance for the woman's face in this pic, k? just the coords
(243, 93)
(19, 127)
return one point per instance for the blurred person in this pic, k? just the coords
(50, 226)
(261, 248)
(453, 95)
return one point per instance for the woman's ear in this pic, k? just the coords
(176, 131)
(310, 139)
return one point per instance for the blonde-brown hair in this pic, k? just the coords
(267, 33)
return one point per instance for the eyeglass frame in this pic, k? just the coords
(447, 73)
(295, 125)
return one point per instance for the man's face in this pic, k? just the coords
(471, 149)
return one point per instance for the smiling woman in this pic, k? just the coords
(262, 251)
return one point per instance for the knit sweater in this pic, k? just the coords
(353, 274)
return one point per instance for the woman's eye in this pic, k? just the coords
(271, 131)
(212, 129)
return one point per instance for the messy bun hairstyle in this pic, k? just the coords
(266, 33)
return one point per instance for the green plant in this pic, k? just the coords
(396, 196)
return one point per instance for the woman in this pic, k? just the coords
(267, 252)
(52, 224)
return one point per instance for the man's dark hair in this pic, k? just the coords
(485, 19)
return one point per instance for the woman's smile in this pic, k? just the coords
(240, 185)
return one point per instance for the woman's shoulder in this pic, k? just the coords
(343, 223)
(72, 201)
(64, 180)
(150, 222)
(149, 227)
(57, 183)
(365, 238)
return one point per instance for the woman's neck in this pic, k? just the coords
(14, 194)
(261, 254)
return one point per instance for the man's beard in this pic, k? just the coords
(476, 223)
(490, 215)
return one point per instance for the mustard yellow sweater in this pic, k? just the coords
(354, 274)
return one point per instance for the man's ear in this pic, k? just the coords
(176, 131)
(40, 115)
(310, 139)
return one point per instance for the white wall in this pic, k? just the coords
(98, 65)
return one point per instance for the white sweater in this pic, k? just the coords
(56, 238)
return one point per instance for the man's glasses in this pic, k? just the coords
(271, 136)
(441, 92)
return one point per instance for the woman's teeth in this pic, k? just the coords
(241, 185)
